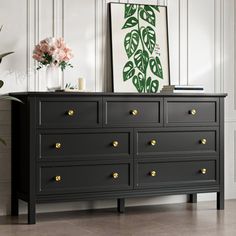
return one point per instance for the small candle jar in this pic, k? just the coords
(81, 84)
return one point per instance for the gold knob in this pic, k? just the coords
(57, 145)
(153, 142)
(204, 171)
(203, 141)
(70, 113)
(58, 178)
(115, 175)
(153, 173)
(115, 143)
(134, 112)
(193, 112)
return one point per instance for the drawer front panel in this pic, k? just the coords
(186, 112)
(178, 142)
(132, 112)
(84, 178)
(150, 174)
(81, 112)
(85, 144)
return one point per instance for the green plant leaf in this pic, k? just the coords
(149, 38)
(148, 84)
(139, 82)
(7, 97)
(1, 83)
(156, 67)
(4, 54)
(131, 22)
(3, 141)
(128, 71)
(156, 8)
(154, 86)
(131, 42)
(130, 9)
(148, 15)
(141, 59)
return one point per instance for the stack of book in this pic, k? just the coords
(182, 89)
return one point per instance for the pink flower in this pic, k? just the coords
(68, 56)
(60, 43)
(37, 57)
(44, 48)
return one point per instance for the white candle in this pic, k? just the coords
(81, 84)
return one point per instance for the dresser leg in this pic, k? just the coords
(14, 205)
(220, 201)
(192, 198)
(121, 205)
(31, 213)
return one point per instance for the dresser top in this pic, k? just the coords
(35, 94)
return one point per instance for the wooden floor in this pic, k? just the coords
(200, 219)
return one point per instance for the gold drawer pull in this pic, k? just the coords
(153, 173)
(203, 171)
(115, 175)
(57, 178)
(153, 142)
(70, 112)
(134, 112)
(203, 141)
(193, 112)
(58, 145)
(115, 143)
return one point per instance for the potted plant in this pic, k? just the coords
(3, 96)
(55, 55)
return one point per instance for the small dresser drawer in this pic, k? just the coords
(84, 177)
(130, 112)
(191, 111)
(177, 142)
(65, 113)
(151, 174)
(85, 144)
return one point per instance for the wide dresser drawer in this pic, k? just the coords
(176, 142)
(132, 112)
(185, 173)
(85, 144)
(84, 177)
(64, 113)
(191, 111)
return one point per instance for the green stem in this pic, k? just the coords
(140, 35)
(139, 28)
(3, 141)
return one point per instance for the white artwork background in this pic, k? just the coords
(119, 55)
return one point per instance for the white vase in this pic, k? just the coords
(53, 77)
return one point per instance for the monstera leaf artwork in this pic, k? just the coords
(139, 47)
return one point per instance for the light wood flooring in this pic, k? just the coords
(201, 219)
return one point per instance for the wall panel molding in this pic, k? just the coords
(174, 40)
(183, 39)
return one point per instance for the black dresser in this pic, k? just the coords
(87, 146)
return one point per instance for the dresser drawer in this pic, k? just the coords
(176, 142)
(85, 144)
(151, 174)
(191, 111)
(84, 177)
(63, 113)
(130, 112)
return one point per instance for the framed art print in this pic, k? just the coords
(140, 55)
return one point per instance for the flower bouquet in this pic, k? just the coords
(54, 54)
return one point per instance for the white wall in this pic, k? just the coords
(201, 52)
